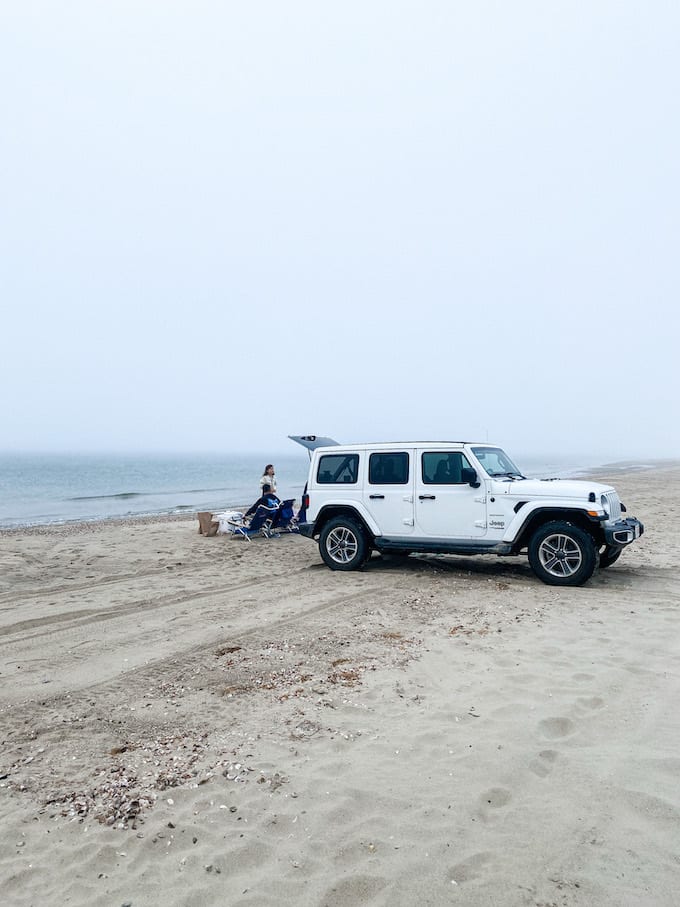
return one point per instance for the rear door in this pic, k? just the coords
(388, 491)
(447, 507)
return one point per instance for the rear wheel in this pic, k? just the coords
(562, 554)
(609, 556)
(343, 544)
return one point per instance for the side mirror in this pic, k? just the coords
(469, 476)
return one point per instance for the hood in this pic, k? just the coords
(548, 488)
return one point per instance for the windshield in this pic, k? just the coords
(496, 462)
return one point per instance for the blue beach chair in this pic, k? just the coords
(285, 519)
(260, 524)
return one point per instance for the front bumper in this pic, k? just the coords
(623, 533)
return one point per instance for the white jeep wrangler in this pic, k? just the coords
(457, 497)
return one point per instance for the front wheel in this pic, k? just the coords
(561, 554)
(343, 544)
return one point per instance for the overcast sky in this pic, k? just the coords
(224, 222)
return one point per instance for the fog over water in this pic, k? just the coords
(223, 223)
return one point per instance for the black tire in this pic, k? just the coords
(609, 556)
(343, 544)
(562, 554)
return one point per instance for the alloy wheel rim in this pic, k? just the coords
(560, 555)
(342, 545)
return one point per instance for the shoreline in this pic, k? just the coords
(11, 523)
(76, 527)
(596, 473)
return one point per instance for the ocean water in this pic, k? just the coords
(55, 488)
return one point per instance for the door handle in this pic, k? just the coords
(427, 497)
(376, 497)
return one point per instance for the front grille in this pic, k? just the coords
(613, 506)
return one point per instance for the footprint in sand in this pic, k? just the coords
(591, 702)
(470, 869)
(543, 764)
(584, 677)
(556, 727)
(359, 889)
(491, 800)
(495, 798)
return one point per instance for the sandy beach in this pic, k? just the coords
(211, 721)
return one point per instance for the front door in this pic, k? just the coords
(447, 507)
(388, 492)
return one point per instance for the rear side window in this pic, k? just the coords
(388, 469)
(338, 469)
(442, 468)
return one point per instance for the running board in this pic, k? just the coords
(448, 546)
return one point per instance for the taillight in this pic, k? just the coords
(305, 502)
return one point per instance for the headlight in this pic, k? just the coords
(605, 504)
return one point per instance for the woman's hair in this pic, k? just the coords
(268, 466)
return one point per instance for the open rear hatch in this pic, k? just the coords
(311, 442)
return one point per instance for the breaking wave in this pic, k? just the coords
(129, 495)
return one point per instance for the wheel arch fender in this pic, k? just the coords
(534, 514)
(354, 511)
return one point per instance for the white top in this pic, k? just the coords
(268, 480)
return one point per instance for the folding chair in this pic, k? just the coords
(260, 524)
(285, 519)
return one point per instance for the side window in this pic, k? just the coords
(338, 469)
(441, 468)
(388, 469)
